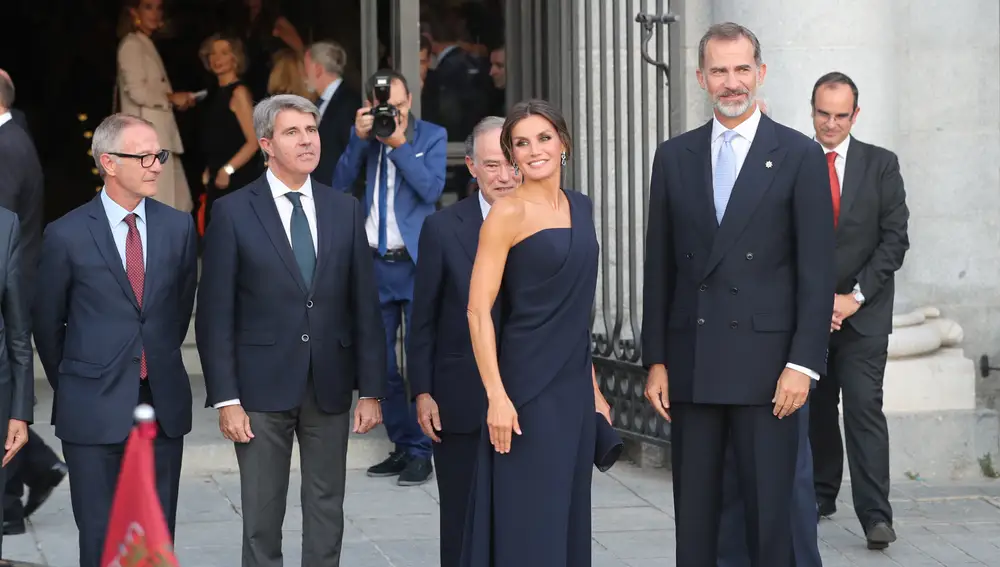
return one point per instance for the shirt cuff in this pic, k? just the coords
(857, 290)
(803, 370)
(234, 402)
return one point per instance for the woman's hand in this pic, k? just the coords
(221, 179)
(501, 418)
(602, 405)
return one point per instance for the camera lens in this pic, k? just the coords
(384, 125)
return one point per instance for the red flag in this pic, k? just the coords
(137, 530)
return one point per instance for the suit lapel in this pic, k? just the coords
(854, 168)
(100, 229)
(263, 205)
(325, 225)
(471, 221)
(155, 245)
(697, 173)
(762, 162)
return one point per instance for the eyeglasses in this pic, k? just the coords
(146, 160)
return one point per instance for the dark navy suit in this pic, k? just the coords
(417, 185)
(727, 307)
(90, 332)
(441, 362)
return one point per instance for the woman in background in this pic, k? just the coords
(228, 140)
(264, 32)
(288, 75)
(143, 89)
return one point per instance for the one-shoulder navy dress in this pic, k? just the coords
(531, 506)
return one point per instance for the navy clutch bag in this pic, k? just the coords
(608, 446)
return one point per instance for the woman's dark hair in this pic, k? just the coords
(533, 107)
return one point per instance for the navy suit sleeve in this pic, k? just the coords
(215, 320)
(17, 321)
(350, 162)
(424, 174)
(814, 259)
(659, 272)
(188, 277)
(369, 332)
(52, 286)
(893, 240)
(427, 290)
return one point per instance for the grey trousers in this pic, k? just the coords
(264, 469)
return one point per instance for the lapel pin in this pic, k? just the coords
(768, 164)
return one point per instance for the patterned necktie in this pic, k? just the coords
(383, 202)
(725, 175)
(136, 272)
(302, 242)
(831, 158)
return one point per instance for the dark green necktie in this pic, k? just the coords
(302, 241)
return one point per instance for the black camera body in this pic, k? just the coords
(384, 114)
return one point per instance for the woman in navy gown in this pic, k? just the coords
(530, 501)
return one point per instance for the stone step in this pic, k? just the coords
(205, 450)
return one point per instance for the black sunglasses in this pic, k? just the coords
(146, 160)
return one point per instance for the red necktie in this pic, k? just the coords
(136, 272)
(831, 157)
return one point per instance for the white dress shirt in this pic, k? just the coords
(119, 229)
(284, 206)
(745, 133)
(6, 117)
(484, 205)
(840, 162)
(393, 237)
(327, 94)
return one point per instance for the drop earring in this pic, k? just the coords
(516, 170)
(564, 159)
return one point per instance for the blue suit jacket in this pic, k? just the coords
(90, 331)
(420, 172)
(440, 359)
(262, 329)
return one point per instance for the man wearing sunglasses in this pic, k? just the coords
(114, 295)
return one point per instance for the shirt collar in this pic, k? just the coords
(6, 117)
(746, 129)
(840, 150)
(330, 89)
(278, 189)
(117, 213)
(484, 205)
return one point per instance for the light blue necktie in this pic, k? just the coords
(725, 174)
(383, 201)
(302, 242)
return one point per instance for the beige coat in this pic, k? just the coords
(143, 87)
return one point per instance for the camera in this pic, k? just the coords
(384, 113)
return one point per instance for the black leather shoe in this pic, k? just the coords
(43, 487)
(14, 527)
(825, 508)
(880, 535)
(392, 466)
(417, 471)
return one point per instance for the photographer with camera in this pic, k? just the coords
(404, 161)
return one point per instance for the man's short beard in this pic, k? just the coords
(734, 110)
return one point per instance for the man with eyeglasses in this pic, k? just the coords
(870, 219)
(114, 295)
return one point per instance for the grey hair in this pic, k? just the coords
(731, 32)
(6, 91)
(485, 125)
(107, 136)
(330, 56)
(266, 112)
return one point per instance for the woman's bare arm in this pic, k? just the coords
(495, 240)
(242, 107)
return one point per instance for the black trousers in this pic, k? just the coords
(455, 461)
(765, 448)
(856, 368)
(31, 463)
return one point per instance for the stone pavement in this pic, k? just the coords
(389, 526)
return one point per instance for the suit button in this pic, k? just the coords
(135, 360)
(702, 287)
(689, 255)
(142, 319)
(305, 338)
(733, 325)
(701, 321)
(749, 255)
(309, 304)
(734, 290)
